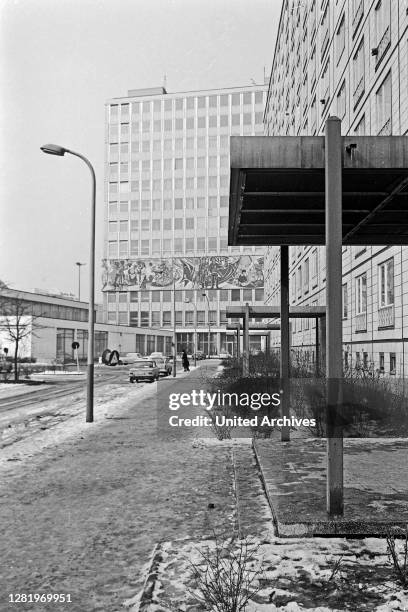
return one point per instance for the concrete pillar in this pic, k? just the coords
(285, 342)
(334, 372)
(238, 340)
(245, 361)
(320, 345)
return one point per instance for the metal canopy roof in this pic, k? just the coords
(277, 190)
(255, 326)
(263, 312)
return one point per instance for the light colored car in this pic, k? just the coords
(225, 355)
(155, 355)
(130, 358)
(165, 366)
(144, 369)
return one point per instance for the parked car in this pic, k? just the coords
(225, 355)
(130, 358)
(165, 365)
(200, 355)
(155, 355)
(144, 369)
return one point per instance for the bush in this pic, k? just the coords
(226, 578)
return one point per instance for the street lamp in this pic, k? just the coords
(209, 323)
(53, 149)
(79, 264)
(188, 301)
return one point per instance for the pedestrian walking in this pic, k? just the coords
(185, 361)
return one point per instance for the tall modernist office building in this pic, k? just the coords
(347, 58)
(167, 193)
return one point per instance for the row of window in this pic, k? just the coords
(362, 361)
(55, 311)
(174, 163)
(168, 185)
(167, 205)
(188, 103)
(385, 290)
(167, 246)
(167, 224)
(155, 296)
(188, 143)
(65, 337)
(157, 318)
(304, 277)
(180, 124)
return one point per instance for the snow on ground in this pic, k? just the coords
(66, 420)
(11, 389)
(314, 574)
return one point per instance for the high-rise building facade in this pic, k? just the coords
(166, 221)
(347, 58)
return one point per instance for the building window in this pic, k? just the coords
(345, 300)
(166, 317)
(155, 318)
(299, 281)
(123, 248)
(393, 363)
(386, 283)
(259, 295)
(306, 276)
(358, 74)
(340, 39)
(383, 107)
(382, 29)
(314, 265)
(341, 101)
(361, 294)
(235, 295)
(381, 362)
(360, 128)
(325, 84)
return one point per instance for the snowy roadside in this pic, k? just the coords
(314, 574)
(66, 420)
(10, 389)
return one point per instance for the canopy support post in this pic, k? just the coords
(333, 205)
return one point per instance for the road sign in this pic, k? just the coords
(75, 345)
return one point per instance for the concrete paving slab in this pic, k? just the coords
(375, 486)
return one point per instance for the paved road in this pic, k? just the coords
(83, 517)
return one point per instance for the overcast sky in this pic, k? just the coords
(60, 61)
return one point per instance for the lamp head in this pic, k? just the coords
(53, 149)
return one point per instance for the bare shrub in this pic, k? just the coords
(399, 559)
(226, 578)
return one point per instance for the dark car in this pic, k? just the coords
(144, 369)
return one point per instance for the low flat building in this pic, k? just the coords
(54, 322)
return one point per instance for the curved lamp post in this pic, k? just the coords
(188, 301)
(53, 149)
(209, 324)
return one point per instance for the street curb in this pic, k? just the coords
(265, 489)
(147, 592)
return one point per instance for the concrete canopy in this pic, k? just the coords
(264, 312)
(277, 190)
